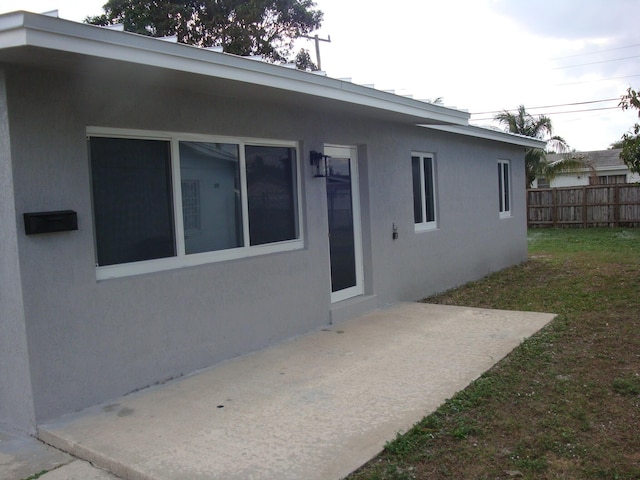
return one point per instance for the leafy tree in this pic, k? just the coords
(436, 101)
(536, 163)
(304, 62)
(241, 27)
(630, 142)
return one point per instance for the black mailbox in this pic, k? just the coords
(48, 222)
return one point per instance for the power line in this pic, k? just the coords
(585, 110)
(558, 113)
(595, 52)
(550, 106)
(593, 81)
(595, 63)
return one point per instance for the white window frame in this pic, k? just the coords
(504, 210)
(433, 224)
(181, 259)
(351, 152)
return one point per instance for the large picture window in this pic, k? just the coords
(163, 200)
(504, 188)
(424, 191)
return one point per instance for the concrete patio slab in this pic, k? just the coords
(316, 407)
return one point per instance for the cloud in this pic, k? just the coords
(574, 19)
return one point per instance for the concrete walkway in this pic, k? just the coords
(22, 456)
(316, 407)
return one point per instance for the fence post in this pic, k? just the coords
(584, 207)
(554, 210)
(616, 205)
(527, 206)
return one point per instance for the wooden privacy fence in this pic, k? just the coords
(616, 205)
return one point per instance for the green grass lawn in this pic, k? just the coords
(565, 404)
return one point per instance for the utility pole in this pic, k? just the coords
(317, 40)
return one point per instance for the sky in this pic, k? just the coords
(483, 56)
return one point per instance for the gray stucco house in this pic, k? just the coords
(160, 210)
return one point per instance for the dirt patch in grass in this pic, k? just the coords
(563, 405)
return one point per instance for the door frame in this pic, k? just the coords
(350, 152)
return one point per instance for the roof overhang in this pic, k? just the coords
(490, 134)
(33, 39)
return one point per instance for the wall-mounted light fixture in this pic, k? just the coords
(319, 160)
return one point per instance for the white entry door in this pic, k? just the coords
(343, 212)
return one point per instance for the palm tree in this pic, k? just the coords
(536, 163)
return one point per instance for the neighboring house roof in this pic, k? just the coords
(31, 39)
(598, 159)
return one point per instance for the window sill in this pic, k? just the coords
(172, 263)
(425, 227)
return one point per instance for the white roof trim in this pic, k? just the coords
(600, 169)
(23, 29)
(490, 134)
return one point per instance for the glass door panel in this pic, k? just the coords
(342, 246)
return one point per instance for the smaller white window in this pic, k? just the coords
(543, 182)
(607, 179)
(504, 188)
(424, 191)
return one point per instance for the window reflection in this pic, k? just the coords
(211, 202)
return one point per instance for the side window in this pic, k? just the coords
(424, 190)
(504, 188)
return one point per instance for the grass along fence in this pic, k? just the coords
(616, 205)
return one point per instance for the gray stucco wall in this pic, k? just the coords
(471, 240)
(90, 340)
(16, 406)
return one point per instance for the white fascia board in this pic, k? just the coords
(613, 169)
(26, 29)
(489, 134)
(11, 34)
(598, 169)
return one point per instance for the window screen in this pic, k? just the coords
(133, 211)
(271, 194)
(417, 189)
(504, 194)
(424, 195)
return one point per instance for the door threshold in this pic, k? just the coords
(352, 307)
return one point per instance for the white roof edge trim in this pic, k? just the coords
(73, 37)
(489, 134)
